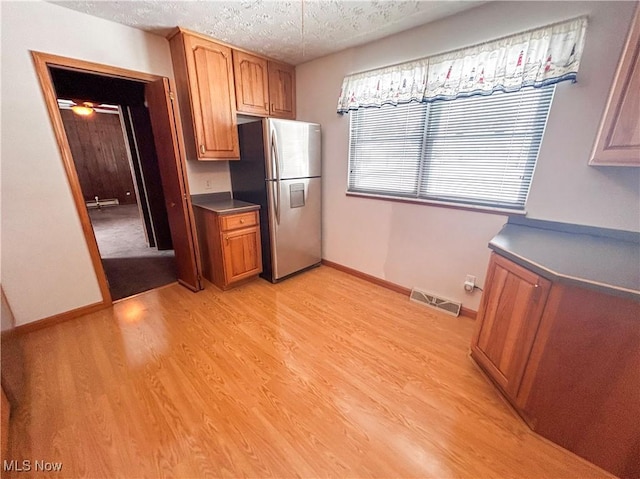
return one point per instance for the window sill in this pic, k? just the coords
(444, 204)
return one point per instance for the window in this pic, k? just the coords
(479, 151)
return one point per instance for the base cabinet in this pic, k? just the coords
(508, 319)
(568, 359)
(230, 246)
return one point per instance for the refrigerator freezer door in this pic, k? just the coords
(294, 225)
(293, 149)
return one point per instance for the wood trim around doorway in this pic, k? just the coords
(42, 62)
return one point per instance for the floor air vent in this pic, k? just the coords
(430, 299)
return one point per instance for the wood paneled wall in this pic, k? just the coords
(100, 155)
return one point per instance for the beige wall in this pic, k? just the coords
(216, 172)
(434, 247)
(46, 268)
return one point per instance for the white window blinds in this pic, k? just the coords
(386, 149)
(477, 151)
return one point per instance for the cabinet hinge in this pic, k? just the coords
(172, 97)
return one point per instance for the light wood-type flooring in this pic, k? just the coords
(321, 375)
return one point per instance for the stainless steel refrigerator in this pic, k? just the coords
(280, 170)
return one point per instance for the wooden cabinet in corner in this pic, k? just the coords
(509, 314)
(618, 140)
(566, 354)
(264, 87)
(203, 71)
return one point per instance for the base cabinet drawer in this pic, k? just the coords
(241, 220)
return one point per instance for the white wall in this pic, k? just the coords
(46, 268)
(434, 247)
(215, 172)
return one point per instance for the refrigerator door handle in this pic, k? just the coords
(276, 160)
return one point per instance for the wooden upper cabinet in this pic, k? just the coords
(252, 83)
(509, 315)
(264, 87)
(204, 78)
(282, 90)
(618, 140)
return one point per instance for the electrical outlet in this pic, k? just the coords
(470, 283)
(207, 185)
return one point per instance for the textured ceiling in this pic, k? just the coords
(291, 31)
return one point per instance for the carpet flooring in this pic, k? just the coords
(131, 266)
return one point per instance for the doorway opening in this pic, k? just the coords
(111, 143)
(165, 136)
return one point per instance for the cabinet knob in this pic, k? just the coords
(242, 221)
(202, 150)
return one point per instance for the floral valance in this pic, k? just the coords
(535, 58)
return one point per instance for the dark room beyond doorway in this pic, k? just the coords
(115, 160)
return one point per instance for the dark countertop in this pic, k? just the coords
(608, 263)
(222, 203)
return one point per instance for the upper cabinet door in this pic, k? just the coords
(204, 77)
(213, 98)
(282, 90)
(618, 140)
(252, 83)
